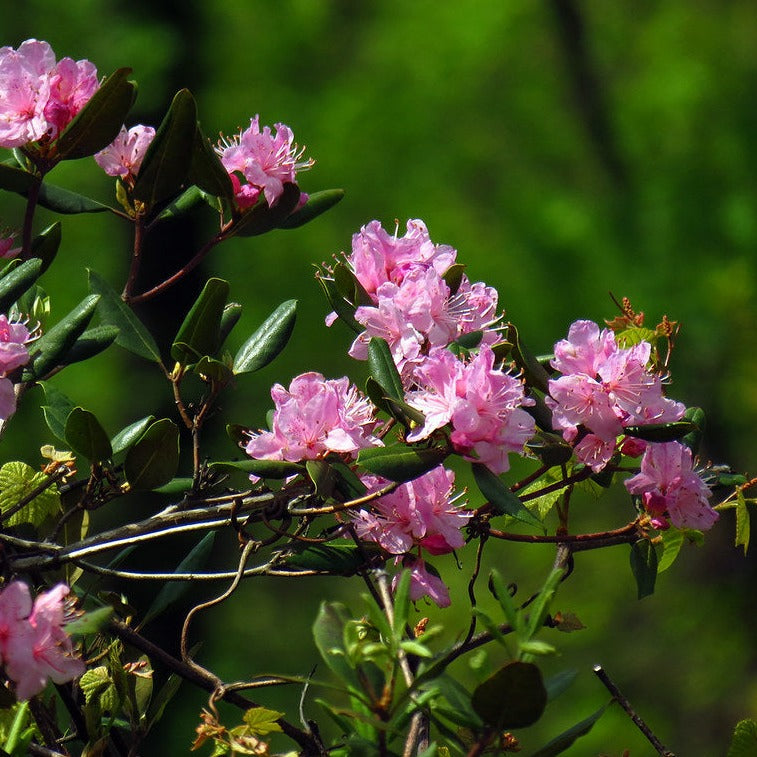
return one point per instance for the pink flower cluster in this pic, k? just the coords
(483, 405)
(262, 162)
(419, 514)
(14, 336)
(313, 417)
(604, 387)
(33, 644)
(124, 155)
(413, 307)
(39, 96)
(671, 490)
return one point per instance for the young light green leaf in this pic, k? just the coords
(86, 436)
(153, 460)
(199, 333)
(672, 541)
(17, 481)
(268, 340)
(744, 741)
(132, 334)
(261, 721)
(502, 595)
(90, 622)
(501, 498)
(742, 521)
(57, 409)
(540, 606)
(401, 604)
(318, 202)
(400, 463)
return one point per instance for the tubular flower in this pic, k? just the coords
(266, 161)
(124, 155)
(7, 250)
(313, 417)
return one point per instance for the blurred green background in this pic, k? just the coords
(567, 149)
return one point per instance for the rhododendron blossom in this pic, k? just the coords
(424, 583)
(313, 417)
(671, 489)
(483, 405)
(33, 644)
(7, 250)
(124, 155)
(604, 387)
(39, 97)
(266, 161)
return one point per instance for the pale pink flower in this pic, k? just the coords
(72, 84)
(14, 336)
(7, 399)
(424, 583)
(483, 405)
(265, 160)
(313, 417)
(670, 487)
(7, 250)
(124, 155)
(33, 644)
(585, 349)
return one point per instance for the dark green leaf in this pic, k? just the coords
(566, 739)
(318, 202)
(345, 310)
(500, 497)
(696, 416)
(532, 369)
(166, 164)
(383, 369)
(328, 634)
(45, 245)
(471, 340)
(268, 340)
(550, 448)
(231, 315)
(400, 463)
(90, 343)
(513, 697)
(90, 622)
(132, 334)
(334, 558)
(744, 741)
(346, 480)
(188, 199)
(349, 286)
(661, 432)
(67, 202)
(98, 123)
(320, 473)
(176, 487)
(261, 218)
(14, 179)
(644, 566)
(154, 459)
(207, 171)
(18, 281)
(173, 591)
(261, 468)
(128, 435)
(199, 333)
(210, 369)
(453, 277)
(56, 410)
(86, 436)
(52, 348)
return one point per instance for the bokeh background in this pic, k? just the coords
(567, 149)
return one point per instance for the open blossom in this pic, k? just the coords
(483, 405)
(33, 644)
(604, 388)
(424, 583)
(265, 160)
(124, 155)
(671, 489)
(313, 417)
(39, 97)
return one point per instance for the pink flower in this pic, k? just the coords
(38, 97)
(14, 336)
(264, 160)
(482, 404)
(670, 487)
(313, 417)
(424, 583)
(33, 644)
(124, 155)
(6, 246)
(421, 512)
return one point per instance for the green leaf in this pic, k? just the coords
(132, 334)
(661, 432)
(559, 683)
(98, 123)
(92, 342)
(318, 203)
(696, 416)
(672, 541)
(17, 481)
(502, 595)
(401, 604)
(742, 521)
(86, 436)
(90, 622)
(188, 199)
(453, 277)
(261, 219)
(231, 315)
(261, 721)
(383, 369)
(513, 697)
(260, 468)
(532, 369)
(210, 369)
(345, 310)
(319, 472)
(128, 435)
(550, 448)
(567, 738)
(268, 340)
(166, 164)
(348, 285)
(18, 281)
(14, 179)
(66, 202)
(500, 497)
(45, 245)
(154, 459)
(173, 591)
(207, 171)
(644, 566)
(744, 741)
(57, 409)
(400, 463)
(328, 634)
(335, 558)
(200, 331)
(51, 349)
(540, 606)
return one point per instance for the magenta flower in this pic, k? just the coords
(38, 98)
(7, 250)
(483, 405)
(14, 336)
(423, 583)
(265, 161)
(313, 417)
(671, 489)
(124, 155)
(33, 644)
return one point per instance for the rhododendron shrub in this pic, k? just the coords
(344, 479)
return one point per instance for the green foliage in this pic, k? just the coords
(18, 481)
(154, 458)
(744, 741)
(268, 340)
(644, 566)
(199, 334)
(400, 463)
(501, 498)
